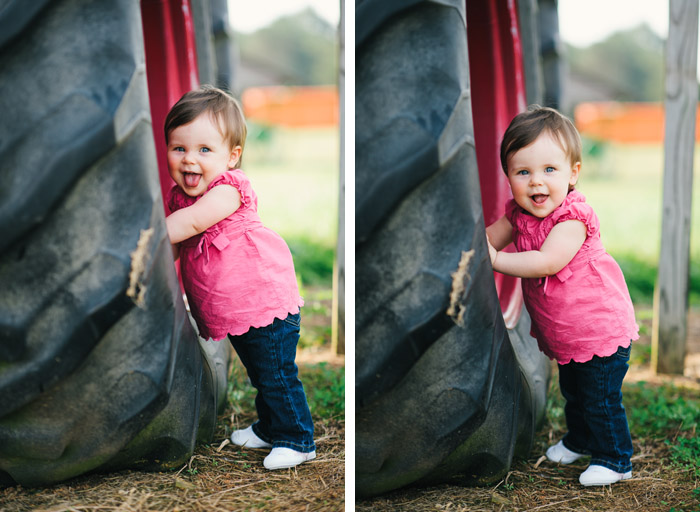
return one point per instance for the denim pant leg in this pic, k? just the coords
(599, 391)
(576, 439)
(268, 354)
(262, 426)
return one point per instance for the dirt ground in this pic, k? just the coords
(218, 477)
(535, 484)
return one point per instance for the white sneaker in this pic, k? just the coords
(600, 475)
(247, 438)
(561, 454)
(280, 458)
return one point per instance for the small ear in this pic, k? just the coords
(235, 157)
(575, 170)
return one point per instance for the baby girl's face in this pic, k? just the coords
(198, 154)
(540, 175)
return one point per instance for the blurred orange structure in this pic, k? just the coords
(623, 122)
(292, 106)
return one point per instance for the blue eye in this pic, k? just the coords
(179, 148)
(550, 169)
(205, 150)
(523, 172)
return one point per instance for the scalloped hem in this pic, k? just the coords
(266, 320)
(588, 357)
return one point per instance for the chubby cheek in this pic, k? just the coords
(518, 188)
(172, 166)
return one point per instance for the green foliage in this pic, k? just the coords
(641, 353)
(301, 49)
(316, 328)
(686, 454)
(324, 385)
(640, 276)
(628, 63)
(325, 390)
(623, 184)
(555, 406)
(312, 260)
(295, 175)
(660, 412)
(240, 393)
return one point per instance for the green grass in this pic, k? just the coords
(313, 260)
(316, 330)
(661, 412)
(325, 390)
(623, 183)
(655, 413)
(295, 174)
(324, 385)
(667, 413)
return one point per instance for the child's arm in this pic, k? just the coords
(560, 247)
(217, 204)
(500, 233)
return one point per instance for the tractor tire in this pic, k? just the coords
(444, 391)
(100, 368)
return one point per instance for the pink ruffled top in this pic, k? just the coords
(585, 309)
(237, 274)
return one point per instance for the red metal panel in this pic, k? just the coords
(171, 66)
(498, 94)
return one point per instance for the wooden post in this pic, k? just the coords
(671, 296)
(338, 327)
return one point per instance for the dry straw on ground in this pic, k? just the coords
(225, 479)
(535, 485)
(547, 487)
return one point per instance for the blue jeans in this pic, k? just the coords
(268, 353)
(594, 412)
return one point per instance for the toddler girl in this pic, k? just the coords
(575, 292)
(238, 275)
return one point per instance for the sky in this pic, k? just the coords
(250, 15)
(582, 23)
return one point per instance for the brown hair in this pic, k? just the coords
(223, 107)
(528, 125)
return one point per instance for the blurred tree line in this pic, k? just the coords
(302, 49)
(629, 64)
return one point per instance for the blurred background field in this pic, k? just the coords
(295, 174)
(295, 171)
(287, 82)
(624, 184)
(613, 85)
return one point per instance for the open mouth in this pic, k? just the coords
(539, 198)
(191, 179)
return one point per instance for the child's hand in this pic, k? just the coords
(492, 251)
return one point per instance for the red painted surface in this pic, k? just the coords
(171, 70)
(171, 66)
(498, 94)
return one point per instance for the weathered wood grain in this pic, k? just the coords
(671, 297)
